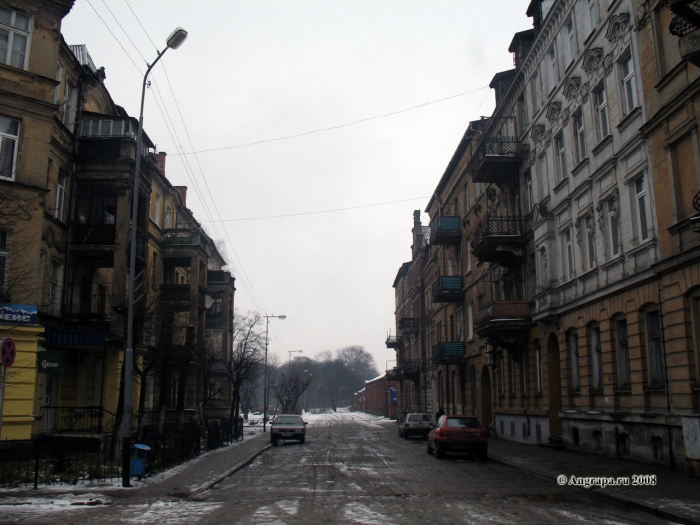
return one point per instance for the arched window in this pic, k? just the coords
(596, 356)
(622, 350)
(572, 343)
(655, 351)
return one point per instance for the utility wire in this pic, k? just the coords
(331, 128)
(322, 211)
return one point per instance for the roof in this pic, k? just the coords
(402, 271)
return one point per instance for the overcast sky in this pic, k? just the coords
(315, 227)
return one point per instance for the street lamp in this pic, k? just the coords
(174, 41)
(265, 385)
(293, 352)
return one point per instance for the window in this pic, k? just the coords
(538, 363)
(467, 198)
(596, 357)
(14, 38)
(534, 93)
(600, 102)
(526, 379)
(559, 157)
(4, 261)
(9, 134)
(593, 13)
(623, 353)
(579, 137)
(156, 209)
(468, 255)
(70, 106)
(628, 89)
(40, 278)
(574, 356)
(55, 285)
(529, 191)
(543, 186)
(59, 79)
(695, 326)
(654, 347)
(96, 204)
(640, 208)
(589, 242)
(154, 271)
(511, 366)
(612, 227)
(568, 251)
(503, 374)
(60, 195)
(571, 34)
(470, 322)
(522, 115)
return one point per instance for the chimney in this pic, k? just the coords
(182, 190)
(160, 159)
(417, 234)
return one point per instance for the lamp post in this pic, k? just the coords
(175, 40)
(265, 385)
(293, 352)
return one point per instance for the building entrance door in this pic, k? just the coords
(50, 409)
(554, 380)
(486, 408)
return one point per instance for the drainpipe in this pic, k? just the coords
(669, 392)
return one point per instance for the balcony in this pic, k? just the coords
(175, 293)
(447, 289)
(445, 230)
(92, 323)
(409, 325)
(94, 234)
(499, 239)
(495, 160)
(394, 341)
(445, 353)
(184, 237)
(409, 367)
(504, 323)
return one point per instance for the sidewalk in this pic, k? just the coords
(183, 481)
(676, 495)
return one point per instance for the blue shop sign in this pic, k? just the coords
(18, 313)
(394, 396)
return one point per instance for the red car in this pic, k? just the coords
(458, 434)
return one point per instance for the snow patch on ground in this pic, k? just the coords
(59, 502)
(170, 512)
(290, 507)
(358, 513)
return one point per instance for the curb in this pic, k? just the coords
(209, 484)
(664, 514)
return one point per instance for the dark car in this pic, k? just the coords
(288, 426)
(458, 434)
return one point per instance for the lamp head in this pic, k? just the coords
(176, 38)
(281, 317)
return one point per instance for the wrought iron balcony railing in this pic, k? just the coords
(511, 226)
(410, 366)
(394, 341)
(495, 159)
(185, 236)
(94, 234)
(687, 17)
(503, 311)
(409, 325)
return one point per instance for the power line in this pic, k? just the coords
(321, 211)
(331, 128)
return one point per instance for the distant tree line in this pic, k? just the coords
(322, 383)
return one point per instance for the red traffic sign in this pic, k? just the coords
(8, 352)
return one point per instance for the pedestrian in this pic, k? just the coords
(240, 425)
(440, 412)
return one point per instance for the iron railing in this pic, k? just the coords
(94, 234)
(503, 310)
(409, 325)
(394, 341)
(493, 147)
(687, 17)
(92, 420)
(448, 351)
(409, 366)
(447, 288)
(510, 226)
(445, 229)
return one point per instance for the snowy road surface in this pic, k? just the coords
(352, 469)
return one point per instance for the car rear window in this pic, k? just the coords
(463, 422)
(415, 418)
(288, 420)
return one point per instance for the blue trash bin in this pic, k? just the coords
(138, 463)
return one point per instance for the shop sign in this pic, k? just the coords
(49, 362)
(18, 313)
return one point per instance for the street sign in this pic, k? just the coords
(8, 352)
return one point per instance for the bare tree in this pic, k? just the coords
(292, 382)
(244, 363)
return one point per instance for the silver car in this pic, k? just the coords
(415, 424)
(288, 426)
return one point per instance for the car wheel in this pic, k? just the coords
(430, 449)
(483, 456)
(302, 440)
(273, 440)
(439, 454)
(400, 434)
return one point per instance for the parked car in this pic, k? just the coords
(287, 426)
(458, 434)
(415, 424)
(254, 418)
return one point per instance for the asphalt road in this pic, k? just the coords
(358, 471)
(355, 469)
